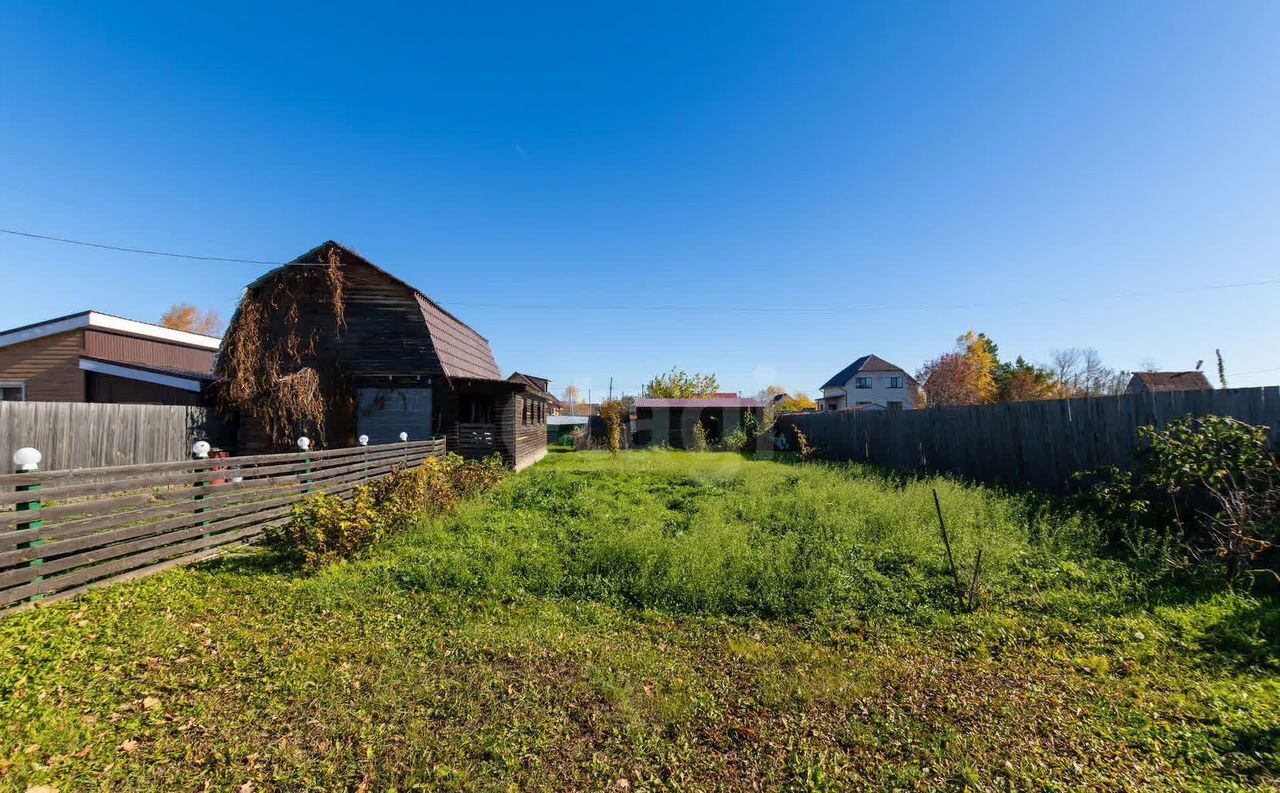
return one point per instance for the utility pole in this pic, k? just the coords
(610, 388)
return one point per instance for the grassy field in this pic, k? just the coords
(663, 621)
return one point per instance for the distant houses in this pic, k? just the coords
(1153, 382)
(870, 382)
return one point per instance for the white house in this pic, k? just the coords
(870, 383)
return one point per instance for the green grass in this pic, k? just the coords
(677, 621)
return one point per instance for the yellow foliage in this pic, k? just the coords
(976, 349)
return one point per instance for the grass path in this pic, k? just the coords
(665, 621)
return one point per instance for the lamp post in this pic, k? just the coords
(304, 443)
(200, 451)
(27, 460)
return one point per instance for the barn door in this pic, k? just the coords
(384, 413)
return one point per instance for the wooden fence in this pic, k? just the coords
(90, 435)
(62, 532)
(1036, 444)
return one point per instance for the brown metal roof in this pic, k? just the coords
(867, 363)
(462, 351)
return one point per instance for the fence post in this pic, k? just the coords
(404, 437)
(364, 458)
(27, 460)
(200, 451)
(304, 443)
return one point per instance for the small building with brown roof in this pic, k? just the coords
(1150, 382)
(95, 357)
(378, 356)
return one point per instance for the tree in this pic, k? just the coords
(982, 355)
(1080, 372)
(184, 316)
(616, 413)
(678, 384)
(797, 403)
(950, 379)
(767, 393)
(570, 397)
(1022, 381)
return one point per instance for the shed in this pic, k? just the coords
(332, 346)
(1148, 382)
(671, 421)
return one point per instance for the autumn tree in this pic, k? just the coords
(1021, 381)
(570, 397)
(678, 384)
(797, 403)
(982, 356)
(184, 316)
(950, 379)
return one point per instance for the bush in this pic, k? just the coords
(324, 528)
(1210, 484)
(699, 438)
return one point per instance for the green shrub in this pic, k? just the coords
(1209, 484)
(324, 528)
(699, 438)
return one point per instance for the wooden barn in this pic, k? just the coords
(671, 421)
(334, 347)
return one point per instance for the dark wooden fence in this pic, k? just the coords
(84, 435)
(62, 532)
(1036, 444)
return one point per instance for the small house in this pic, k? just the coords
(95, 357)
(672, 421)
(334, 347)
(869, 381)
(1151, 382)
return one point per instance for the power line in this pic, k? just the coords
(688, 308)
(123, 249)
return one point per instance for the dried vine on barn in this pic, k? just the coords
(277, 377)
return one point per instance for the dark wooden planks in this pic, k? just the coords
(186, 510)
(1035, 444)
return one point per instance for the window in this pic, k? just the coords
(895, 406)
(896, 382)
(860, 404)
(862, 382)
(13, 392)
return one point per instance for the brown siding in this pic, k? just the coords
(149, 352)
(524, 439)
(50, 367)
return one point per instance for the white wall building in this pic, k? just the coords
(870, 383)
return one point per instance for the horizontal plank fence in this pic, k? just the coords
(1023, 444)
(62, 532)
(92, 435)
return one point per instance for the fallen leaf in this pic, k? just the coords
(247, 787)
(150, 703)
(129, 745)
(42, 789)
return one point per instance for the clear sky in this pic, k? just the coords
(768, 190)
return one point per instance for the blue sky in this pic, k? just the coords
(806, 183)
